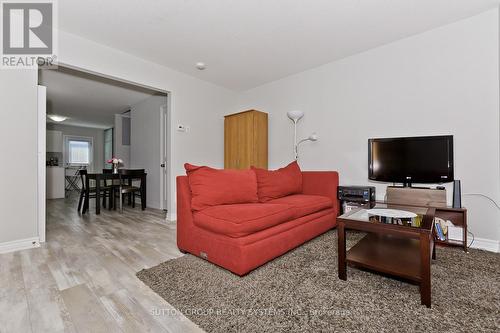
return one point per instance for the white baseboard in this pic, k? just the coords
(172, 216)
(486, 244)
(21, 244)
(153, 205)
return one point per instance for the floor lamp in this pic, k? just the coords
(295, 116)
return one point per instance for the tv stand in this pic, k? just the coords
(436, 198)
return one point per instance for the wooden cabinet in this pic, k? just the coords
(245, 140)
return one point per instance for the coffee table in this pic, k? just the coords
(400, 251)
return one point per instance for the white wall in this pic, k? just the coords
(145, 144)
(196, 103)
(119, 150)
(444, 81)
(95, 133)
(18, 135)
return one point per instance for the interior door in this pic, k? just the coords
(163, 157)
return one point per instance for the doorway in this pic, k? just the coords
(160, 172)
(164, 158)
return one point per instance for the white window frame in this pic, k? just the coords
(68, 138)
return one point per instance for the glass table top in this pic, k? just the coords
(402, 215)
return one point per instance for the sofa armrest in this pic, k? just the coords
(323, 183)
(184, 213)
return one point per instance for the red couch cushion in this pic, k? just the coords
(304, 204)
(212, 187)
(240, 220)
(278, 183)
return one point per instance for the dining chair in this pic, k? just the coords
(113, 183)
(130, 175)
(105, 192)
(107, 171)
(72, 176)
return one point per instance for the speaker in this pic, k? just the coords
(457, 194)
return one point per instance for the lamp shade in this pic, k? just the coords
(313, 137)
(295, 114)
(57, 118)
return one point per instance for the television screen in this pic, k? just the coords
(427, 159)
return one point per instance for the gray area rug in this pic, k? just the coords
(300, 292)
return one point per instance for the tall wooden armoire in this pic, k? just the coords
(245, 140)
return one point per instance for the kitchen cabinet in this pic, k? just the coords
(54, 142)
(55, 182)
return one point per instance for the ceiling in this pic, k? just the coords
(246, 43)
(88, 100)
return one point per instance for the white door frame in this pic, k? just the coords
(165, 157)
(41, 145)
(41, 157)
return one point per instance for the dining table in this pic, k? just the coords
(98, 177)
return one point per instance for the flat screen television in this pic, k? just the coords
(425, 159)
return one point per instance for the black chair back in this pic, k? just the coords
(132, 173)
(107, 171)
(83, 176)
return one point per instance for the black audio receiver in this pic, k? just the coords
(356, 193)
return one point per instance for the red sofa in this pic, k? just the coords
(242, 237)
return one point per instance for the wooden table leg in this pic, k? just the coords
(87, 196)
(98, 195)
(111, 196)
(465, 232)
(116, 190)
(341, 251)
(425, 268)
(130, 194)
(143, 193)
(433, 248)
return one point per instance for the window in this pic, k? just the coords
(78, 150)
(108, 147)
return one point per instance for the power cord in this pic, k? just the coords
(484, 196)
(472, 238)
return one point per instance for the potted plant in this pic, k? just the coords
(116, 162)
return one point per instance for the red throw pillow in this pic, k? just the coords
(278, 183)
(212, 187)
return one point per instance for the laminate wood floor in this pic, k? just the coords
(83, 278)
